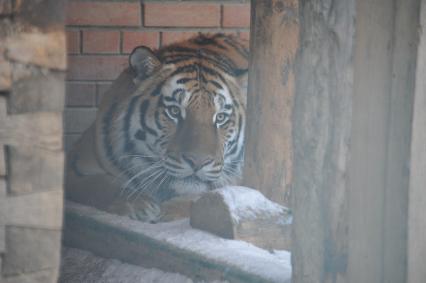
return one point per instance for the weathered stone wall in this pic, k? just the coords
(32, 72)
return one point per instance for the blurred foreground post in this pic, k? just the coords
(32, 73)
(359, 143)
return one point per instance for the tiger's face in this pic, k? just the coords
(184, 134)
(198, 124)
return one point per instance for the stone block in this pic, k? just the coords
(5, 7)
(2, 239)
(243, 214)
(2, 160)
(34, 170)
(37, 209)
(42, 49)
(3, 201)
(30, 250)
(5, 73)
(3, 188)
(36, 130)
(43, 276)
(33, 92)
(39, 13)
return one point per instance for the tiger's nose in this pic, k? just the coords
(197, 162)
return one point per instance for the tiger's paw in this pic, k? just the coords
(141, 209)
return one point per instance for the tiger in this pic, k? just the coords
(172, 124)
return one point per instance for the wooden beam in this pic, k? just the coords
(274, 41)
(352, 137)
(321, 136)
(384, 72)
(416, 252)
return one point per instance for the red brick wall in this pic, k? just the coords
(102, 33)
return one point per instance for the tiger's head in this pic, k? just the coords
(182, 128)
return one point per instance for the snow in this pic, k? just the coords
(247, 203)
(83, 266)
(274, 266)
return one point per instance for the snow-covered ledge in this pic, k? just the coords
(173, 247)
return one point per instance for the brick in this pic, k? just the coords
(30, 250)
(41, 49)
(236, 15)
(32, 91)
(73, 41)
(244, 35)
(42, 209)
(104, 13)
(132, 39)
(181, 15)
(70, 140)
(28, 165)
(78, 119)
(96, 67)
(169, 37)
(101, 41)
(80, 94)
(101, 89)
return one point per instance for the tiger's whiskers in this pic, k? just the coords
(153, 167)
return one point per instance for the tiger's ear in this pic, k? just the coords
(242, 79)
(143, 62)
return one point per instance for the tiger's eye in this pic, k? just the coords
(174, 111)
(221, 117)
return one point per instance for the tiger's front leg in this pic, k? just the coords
(143, 209)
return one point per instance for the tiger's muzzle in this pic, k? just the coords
(195, 150)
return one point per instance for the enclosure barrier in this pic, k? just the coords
(32, 72)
